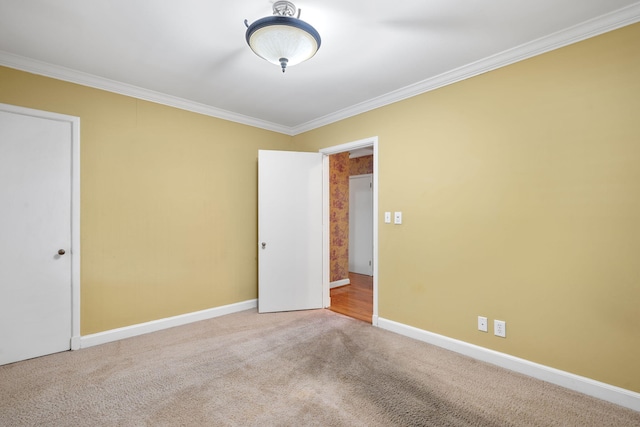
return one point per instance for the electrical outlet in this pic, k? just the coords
(482, 324)
(500, 328)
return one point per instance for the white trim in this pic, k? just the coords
(349, 146)
(600, 390)
(338, 283)
(169, 322)
(75, 208)
(591, 28)
(362, 175)
(66, 74)
(354, 145)
(75, 234)
(376, 177)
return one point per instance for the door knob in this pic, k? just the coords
(264, 245)
(61, 252)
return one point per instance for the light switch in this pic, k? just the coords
(397, 217)
(387, 217)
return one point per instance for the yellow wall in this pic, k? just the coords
(520, 190)
(168, 202)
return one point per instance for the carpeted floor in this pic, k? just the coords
(286, 369)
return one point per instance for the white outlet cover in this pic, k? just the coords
(500, 328)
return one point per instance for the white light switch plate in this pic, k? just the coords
(387, 217)
(397, 217)
(482, 324)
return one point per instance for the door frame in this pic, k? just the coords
(74, 122)
(349, 146)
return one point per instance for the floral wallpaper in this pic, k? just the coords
(339, 216)
(361, 165)
(340, 168)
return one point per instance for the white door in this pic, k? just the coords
(289, 231)
(35, 229)
(361, 224)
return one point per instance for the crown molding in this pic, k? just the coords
(591, 28)
(600, 25)
(66, 74)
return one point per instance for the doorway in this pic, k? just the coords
(356, 290)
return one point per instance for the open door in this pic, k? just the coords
(290, 268)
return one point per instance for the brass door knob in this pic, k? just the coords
(61, 252)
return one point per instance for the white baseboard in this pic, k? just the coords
(75, 343)
(337, 283)
(169, 322)
(600, 390)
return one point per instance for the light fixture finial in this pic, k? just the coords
(283, 63)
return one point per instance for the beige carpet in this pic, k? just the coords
(286, 369)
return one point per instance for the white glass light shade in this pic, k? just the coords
(281, 37)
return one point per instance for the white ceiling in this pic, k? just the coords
(192, 53)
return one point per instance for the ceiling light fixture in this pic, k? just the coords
(283, 39)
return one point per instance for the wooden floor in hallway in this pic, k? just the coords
(356, 299)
